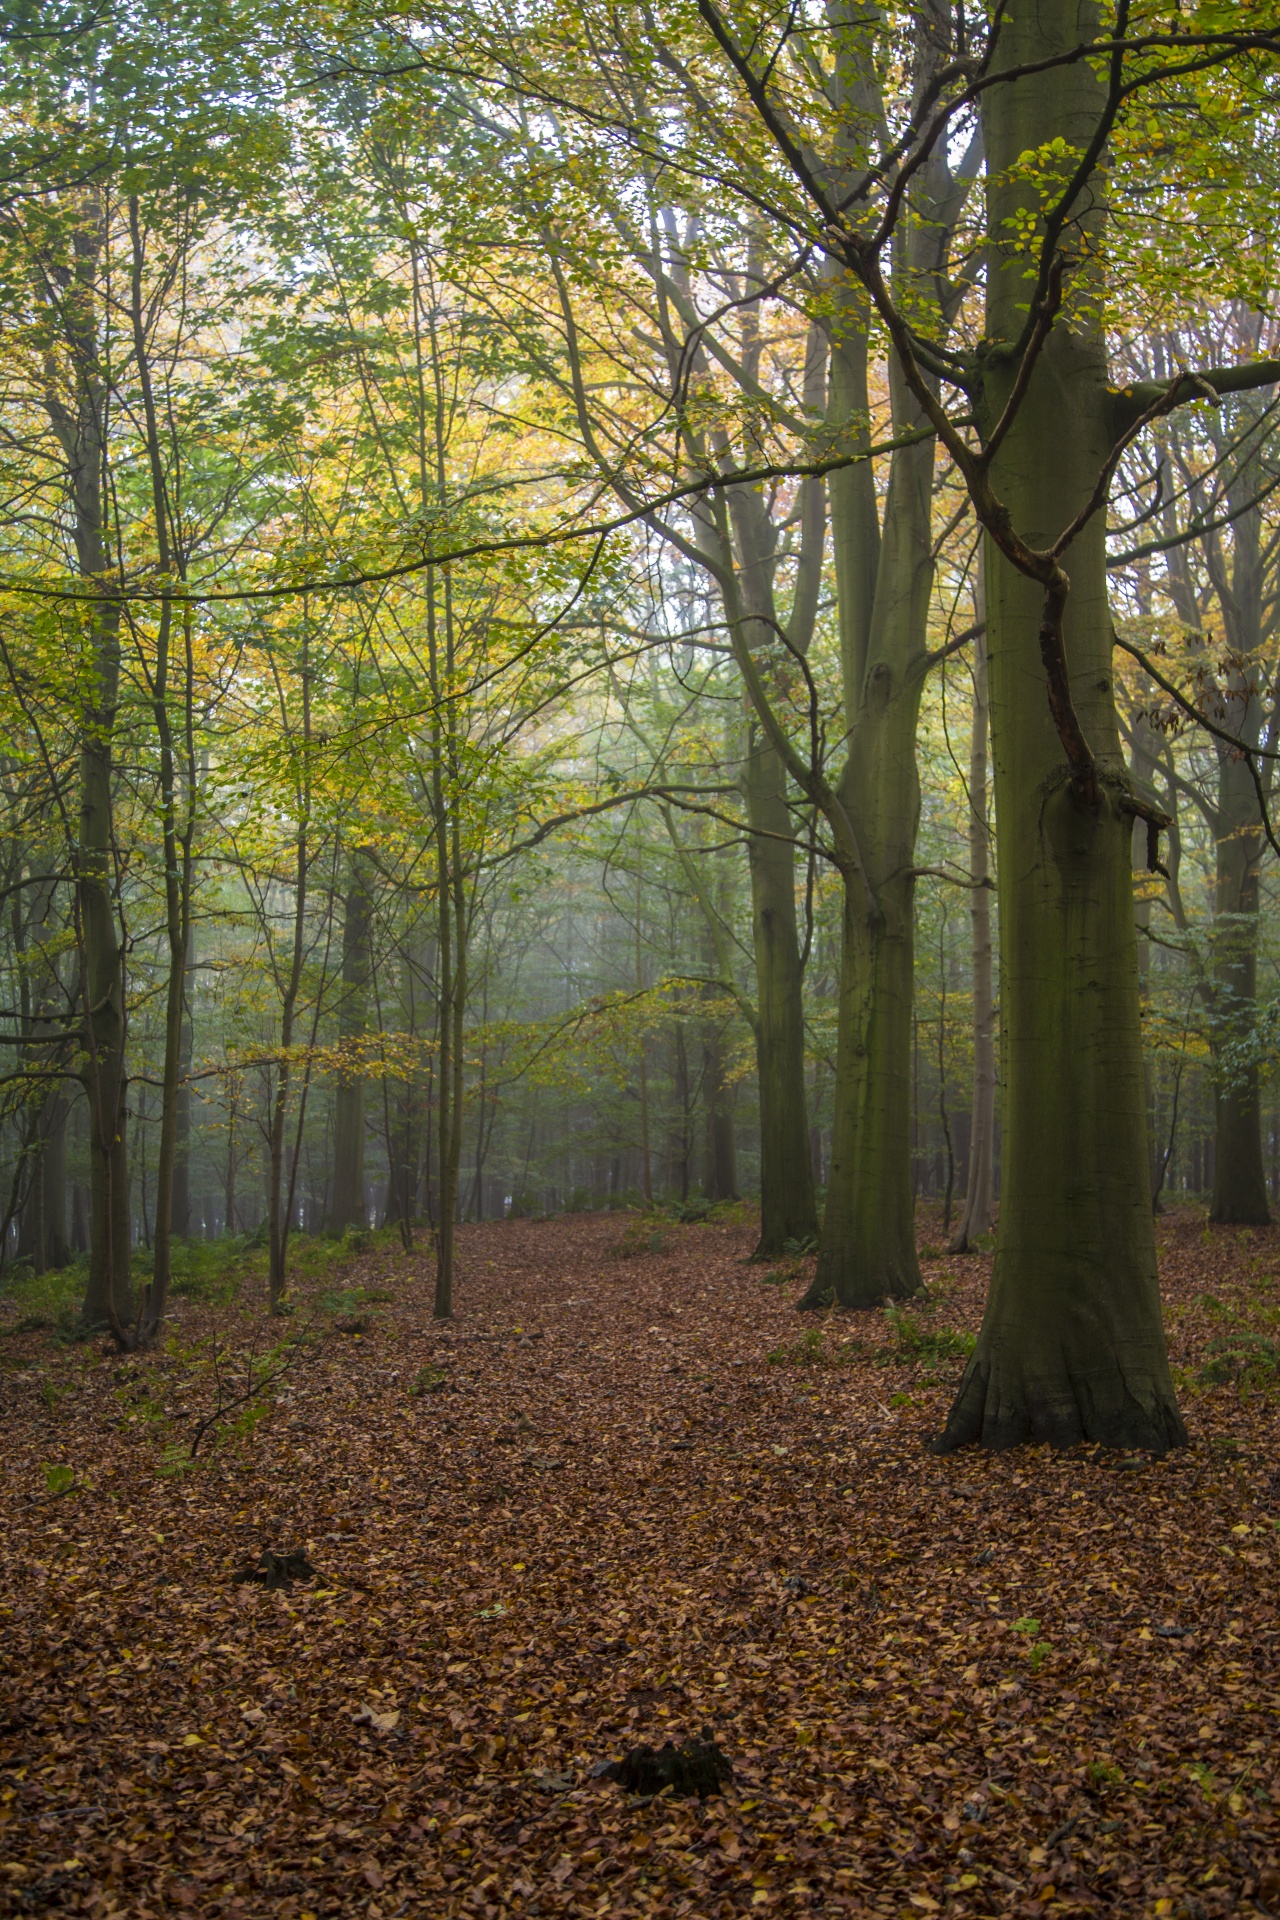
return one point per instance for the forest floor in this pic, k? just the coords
(619, 1500)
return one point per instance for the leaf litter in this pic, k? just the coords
(643, 1508)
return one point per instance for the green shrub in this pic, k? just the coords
(639, 1236)
(930, 1345)
(813, 1349)
(1248, 1361)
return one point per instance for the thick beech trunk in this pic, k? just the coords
(1071, 1347)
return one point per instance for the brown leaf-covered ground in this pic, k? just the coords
(1019, 1684)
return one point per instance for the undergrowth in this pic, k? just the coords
(208, 1273)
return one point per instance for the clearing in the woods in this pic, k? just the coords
(628, 1495)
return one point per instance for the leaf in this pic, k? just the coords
(369, 1716)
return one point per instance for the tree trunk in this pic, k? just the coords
(722, 1156)
(42, 1224)
(107, 1293)
(788, 1209)
(347, 1207)
(884, 583)
(979, 1193)
(280, 1200)
(79, 421)
(1239, 1175)
(1071, 1346)
(868, 1250)
(182, 1110)
(176, 828)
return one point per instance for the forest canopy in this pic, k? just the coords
(604, 607)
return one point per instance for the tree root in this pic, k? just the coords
(996, 1409)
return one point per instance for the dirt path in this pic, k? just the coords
(977, 1685)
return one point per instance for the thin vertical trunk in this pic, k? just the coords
(181, 1221)
(646, 1163)
(868, 1252)
(279, 1202)
(80, 422)
(177, 819)
(1239, 1175)
(979, 1193)
(884, 585)
(788, 1209)
(347, 1204)
(943, 1114)
(42, 1226)
(721, 1182)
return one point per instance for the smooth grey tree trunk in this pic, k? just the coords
(1072, 1345)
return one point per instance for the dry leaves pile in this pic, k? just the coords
(597, 1513)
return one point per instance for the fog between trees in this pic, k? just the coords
(607, 609)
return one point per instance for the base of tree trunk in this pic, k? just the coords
(1234, 1213)
(855, 1286)
(1060, 1402)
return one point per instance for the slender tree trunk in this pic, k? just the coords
(416, 969)
(1071, 1346)
(347, 1205)
(717, 1092)
(78, 418)
(788, 1209)
(979, 1193)
(646, 1160)
(177, 822)
(42, 1224)
(182, 1108)
(1239, 1175)
(279, 1207)
(868, 1251)
(884, 586)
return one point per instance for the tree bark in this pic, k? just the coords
(788, 1209)
(347, 1205)
(279, 1199)
(884, 581)
(1239, 1175)
(868, 1249)
(42, 1223)
(980, 1189)
(71, 298)
(1071, 1346)
(182, 1110)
